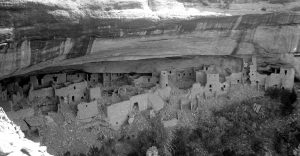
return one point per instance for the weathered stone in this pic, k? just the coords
(152, 113)
(156, 102)
(22, 124)
(13, 141)
(95, 93)
(164, 93)
(152, 151)
(66, 38)
(35, 121)
(87, 110)
(130, 120)
(170, 123)
(21, 114)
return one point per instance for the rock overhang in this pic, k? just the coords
(41, 34)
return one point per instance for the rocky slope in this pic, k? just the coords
(12, 140)
(39, 34)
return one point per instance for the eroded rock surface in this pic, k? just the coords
(36, 34)
(12, 140)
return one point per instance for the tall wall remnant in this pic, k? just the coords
(164, 79)
(45, 81)
(87, 110)
(201, 77)
(76, 77)
(4, 95)
(74, 93)
(139, 101)
(235, 78)
(214, 87)
(106, 79)
(145, 81)
(287, 77)
(118, 113)
(282, 77)
(94, 77)
(40, 93)
(94, 93)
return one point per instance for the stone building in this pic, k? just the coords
(116, 76)
(54, 78)
(76, 77)
(118, 113)
(181, 78)
(86, 111)
(46, 81)
(139, 101)
(201, 77)
(74, 93)
(40, 93)
(273, 80)
(281, 77)
(145, 81)
(106, 79)
(287, 77)
(235, 78)
(94, 93)
(256, 79)
(4, 95)
(164, 79)
(93, 78)
(184, 74)
(212, 88)
(212, 85)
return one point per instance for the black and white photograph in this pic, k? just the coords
(149, 77)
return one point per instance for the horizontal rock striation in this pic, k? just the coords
(36, 34)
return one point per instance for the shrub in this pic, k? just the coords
(188, 142)
(67, 153)
(156, 136)
(287, 99)
(257, 146)
(179, 143)
(273, 93)
(107, 149)
(94, 151)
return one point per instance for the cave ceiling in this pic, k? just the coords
(37, 35)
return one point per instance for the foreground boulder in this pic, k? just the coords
(13, 143)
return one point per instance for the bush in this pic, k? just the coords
(188, 142)
(257, 146)
(107, 149)
(94, 151)
(273, 93)
(287, 99)
(156, 136)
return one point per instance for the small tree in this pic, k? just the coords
(156, 136)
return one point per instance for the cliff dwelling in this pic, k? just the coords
(150, 77)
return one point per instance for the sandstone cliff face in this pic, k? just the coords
(38, 34)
